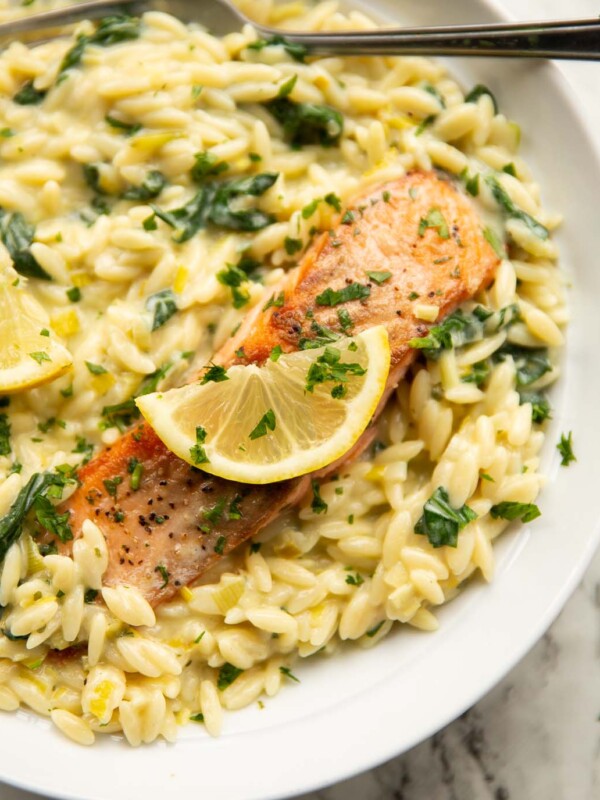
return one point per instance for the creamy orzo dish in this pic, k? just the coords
(103, 134)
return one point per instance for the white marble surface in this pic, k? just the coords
(536, 736)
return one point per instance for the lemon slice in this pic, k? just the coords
(294, 415)
(29, 356)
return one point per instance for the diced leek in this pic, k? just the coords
(186, 593)
(35, 562)
(80, 278)
(226, 595)
(149, 143)
(181, 279)
(376, 473)
(102, 383)
(66, 323)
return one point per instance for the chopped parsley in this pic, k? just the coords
(74, 294)
(266, 423)
(292, 245)
(322, 337)
(355, 579)
(345, 319)
(162, 305)
(436, 220)
(40, 356)
(353, 291)
(328, 367)
(220, 545)
(318, 505)
(197, 452)
(379, 277)
(275, 301)
(90, 595)
(334, 201)
(233, 277)
(214, 374)
(160, 568)
(275, 353)
(288, 674)
(111, 484)
(565, 448)
(441, 522)
(96, 369)
(227, 675)
(511, 510)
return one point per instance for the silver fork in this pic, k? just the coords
(566, 39)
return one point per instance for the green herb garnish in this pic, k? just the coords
(511, 510)
(441, 522)
(266, 423)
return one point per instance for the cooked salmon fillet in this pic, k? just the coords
(420, 228)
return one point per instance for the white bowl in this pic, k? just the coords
(363, 707)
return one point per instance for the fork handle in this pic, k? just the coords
(574, 39)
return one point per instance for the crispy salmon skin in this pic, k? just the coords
(422, 241)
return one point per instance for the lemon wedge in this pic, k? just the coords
(29, 356)
(294, 415)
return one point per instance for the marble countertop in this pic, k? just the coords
(536, 736)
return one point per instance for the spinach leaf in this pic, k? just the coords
(455, 331)
(17, 235)
(111, 30)
(511, 510)
(153, 184)
(297, 51)
(307, 123)
(162, 305)
(40, 485)
(513, 211)
(5, 448)
(440, 522)
(540, 405)
(212, 204)
(128, 128)
(530, 363)
(206, 164)
(476, 92)
(28, 95)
